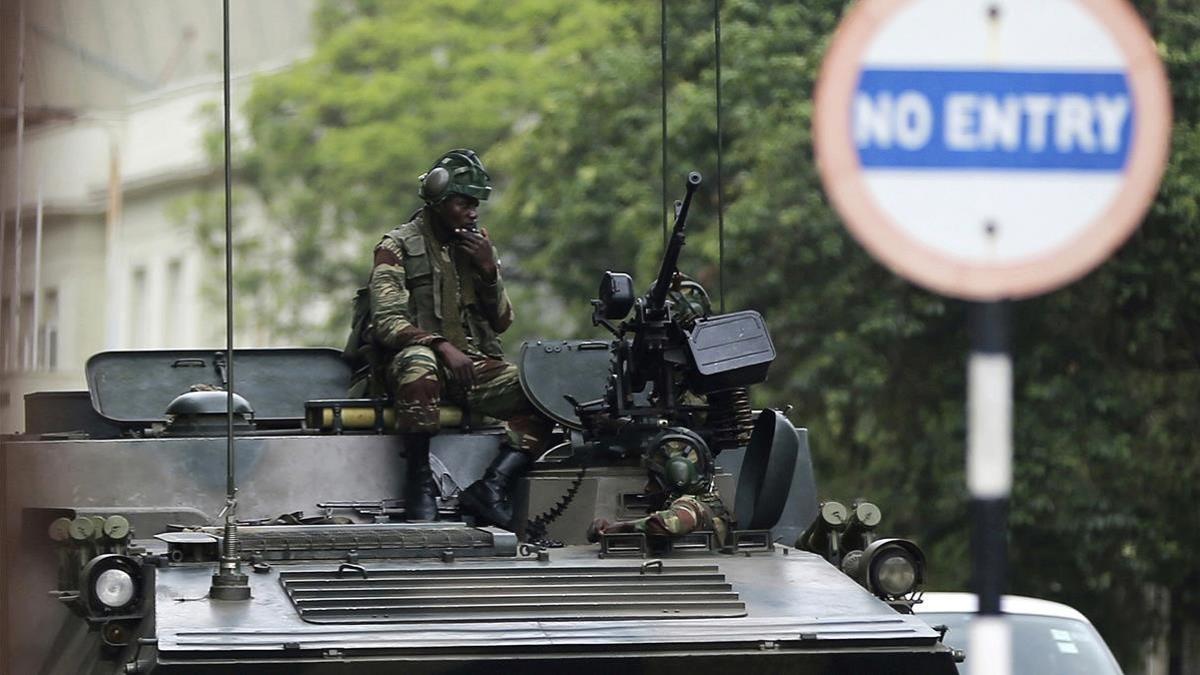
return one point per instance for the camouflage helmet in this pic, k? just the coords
(689, 301)
(679, 462)
(459, 171)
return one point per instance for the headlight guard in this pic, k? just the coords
(111, 585)
(892, 568)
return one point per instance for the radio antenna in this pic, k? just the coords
(662, 72)
(720, 186)
(228, 583)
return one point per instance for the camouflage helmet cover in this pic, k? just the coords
(458, 171)
(689, 301)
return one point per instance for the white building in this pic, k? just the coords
(117, 97)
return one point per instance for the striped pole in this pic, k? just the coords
(989, 480)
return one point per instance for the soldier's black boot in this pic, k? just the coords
(420, 491)
(489, 499)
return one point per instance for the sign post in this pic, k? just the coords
(991, 150)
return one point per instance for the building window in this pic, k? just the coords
(48, 332)
(26, 349)
(5, 329)
(171, 304)
(27, 333)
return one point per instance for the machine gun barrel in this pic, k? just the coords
(658, 294)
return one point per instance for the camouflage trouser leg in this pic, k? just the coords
(415, 383)
(416, 380)
(497, 393)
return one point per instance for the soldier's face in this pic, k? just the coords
(460, 212)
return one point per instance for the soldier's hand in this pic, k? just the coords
(597, 528)
(458, 364)
(478, 247)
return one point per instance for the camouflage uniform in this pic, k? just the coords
(684, 515)
(422, 292)
(681, 472)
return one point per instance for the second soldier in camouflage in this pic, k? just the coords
(681, 482)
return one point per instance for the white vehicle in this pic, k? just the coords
(1049, 638)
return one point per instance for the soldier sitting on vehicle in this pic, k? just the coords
(437, 305)
(681, 484)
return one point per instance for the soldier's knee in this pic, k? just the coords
(417, 417)
(417, 389)
(413, 374)
(417, 404)
(424, 389)
(416, 358)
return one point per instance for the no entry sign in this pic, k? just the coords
(991, 149)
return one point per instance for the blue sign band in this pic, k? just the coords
(998, 120)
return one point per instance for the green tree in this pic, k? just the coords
(339, 140)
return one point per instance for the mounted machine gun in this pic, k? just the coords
(673, 346)
(677, 375)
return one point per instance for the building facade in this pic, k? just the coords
(105, 110)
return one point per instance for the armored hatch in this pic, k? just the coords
(552, 370)
(133, 388)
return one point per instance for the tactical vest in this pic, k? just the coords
(422, 278)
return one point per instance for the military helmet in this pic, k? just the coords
(689, 301)
(680, 462)
(459, 171)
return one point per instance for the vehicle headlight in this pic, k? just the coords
(892, 568)
(114, 588)
(895, 574)
(111, 584)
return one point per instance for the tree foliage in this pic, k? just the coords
(339, 140)
(563, 103)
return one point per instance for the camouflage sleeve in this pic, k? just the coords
(494, 301)
(394, 328)
(684, 515)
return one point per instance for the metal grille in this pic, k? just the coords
(333, 542)
(513, 594)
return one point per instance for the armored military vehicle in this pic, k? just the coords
(112, 498)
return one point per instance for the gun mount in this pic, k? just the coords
(671, 355)
(675, 370)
